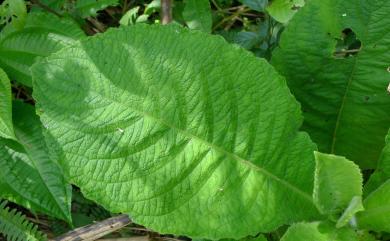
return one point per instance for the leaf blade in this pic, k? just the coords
(337, 181)
(6, 127)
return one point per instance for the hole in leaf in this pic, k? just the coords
(348, 45)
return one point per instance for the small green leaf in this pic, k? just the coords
(376, 216)
(43, 34)
(197, 14)
(143, 18)
(27, 175)
(130, 17)
(13, 11)
(283, 10)
(337, 181)
(258, 5)
(354, 206)
(318, 231)
(6, 127)
(172, 125)
(152, 7)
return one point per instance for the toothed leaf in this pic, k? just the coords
(337, 181)
(172, 125)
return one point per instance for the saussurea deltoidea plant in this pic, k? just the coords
(167, 135)
(190, 135)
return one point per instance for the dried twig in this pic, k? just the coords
(166, 11)
(96, 230)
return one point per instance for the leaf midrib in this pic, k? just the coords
(229, 154)
(340, 113)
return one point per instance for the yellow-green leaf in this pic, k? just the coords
(172, 125)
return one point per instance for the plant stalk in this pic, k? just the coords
(166, 11)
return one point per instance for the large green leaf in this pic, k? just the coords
(201, 130)
(6, 128)
(27, 175)
(43, 34)
(382, 172)
(376, 216)
(337, 181)
(130, 17)
(318, 231)
(197, 14)
(344, 100)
